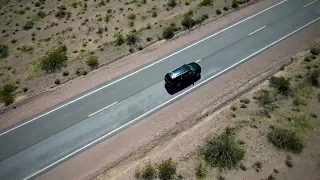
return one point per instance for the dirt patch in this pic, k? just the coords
(53, 96)
(150, 138)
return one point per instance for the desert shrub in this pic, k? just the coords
(286, 139)
(25, 89)
(132, 38)
(288, 161)
(93, 62)
(131, 50)
(206, 2)
(245, 101)
(307, 59)
(201, 171)
(225, 8)
(37, 4)
(172, 3)
(235, 3)
(61, 14)
(119, 39)
(154, 14)
(188, 22)
(257, 166)
(314, 77)
(4, 51)
(282, 84)
(54, 60)
(65, 73)
(168, 32)
(81, 72)
(26, 48)
(243, 167)
(315, 50)
(107, 17)
(7, 93)
(57, 81)
(266, 99)
(167, 169)
(131, 23)
(243, 106)
(148, 39)
(218, 12)
(28, 25)
(233, 108)
(223, 151)
(41, 14)
(140, 48)
(132, 16)
(149, 172)
(318, 96)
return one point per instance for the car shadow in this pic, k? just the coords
(174, 90)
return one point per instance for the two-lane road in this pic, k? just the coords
(42, 142)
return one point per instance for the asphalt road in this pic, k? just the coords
(47, 139)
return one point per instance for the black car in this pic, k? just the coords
(184, 74)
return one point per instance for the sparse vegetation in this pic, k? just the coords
(119, 39)
(201, 171)
(28, 25)
(286, 139)
(288, 161)
(315, 50)
(314, 77)
(167, 169)
(26, 49)
(257, 166)
(224, 151)
(149, 172)
(7, 95)
(132, 16)
(168, 32)
(4, 51)
(282, 84)
(93, 62)
(54, 60)
(172, 3)
(235, 3)
(132, 38)
(188, 22)
(206, 2)
(218, 12)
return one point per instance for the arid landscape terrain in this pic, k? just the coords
(91, 33)
(258, 121)
(270, 132)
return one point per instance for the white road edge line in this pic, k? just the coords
(257, 30)
(198, 60)
(310, 3)
(169, 101)
(102, 109)
(141, 69)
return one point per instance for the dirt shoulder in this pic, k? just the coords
(53, 96)
(167, 132)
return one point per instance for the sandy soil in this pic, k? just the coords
(162, 134)
(81, 36)
(53, 96)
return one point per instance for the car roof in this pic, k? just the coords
(180, 70)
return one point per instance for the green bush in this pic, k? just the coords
(132, 38)
(149, 172)
(206, 2)
(54, 60)
(266, 99)
(6, 93)
(314, 78)
(286, 139)
(315, 50)
(28, 25)
(41, 14)
(235, 3)
(172, 3)
(224, 151)
(167, 169)
(168, 32)
(132, 16)
(188, 22)
(93, 62)
(81, 72)
(218, 12)
(4, 51)
(282, 84)
(26, 48)
(201, 171)
(119, 39)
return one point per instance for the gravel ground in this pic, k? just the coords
(127, 146)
